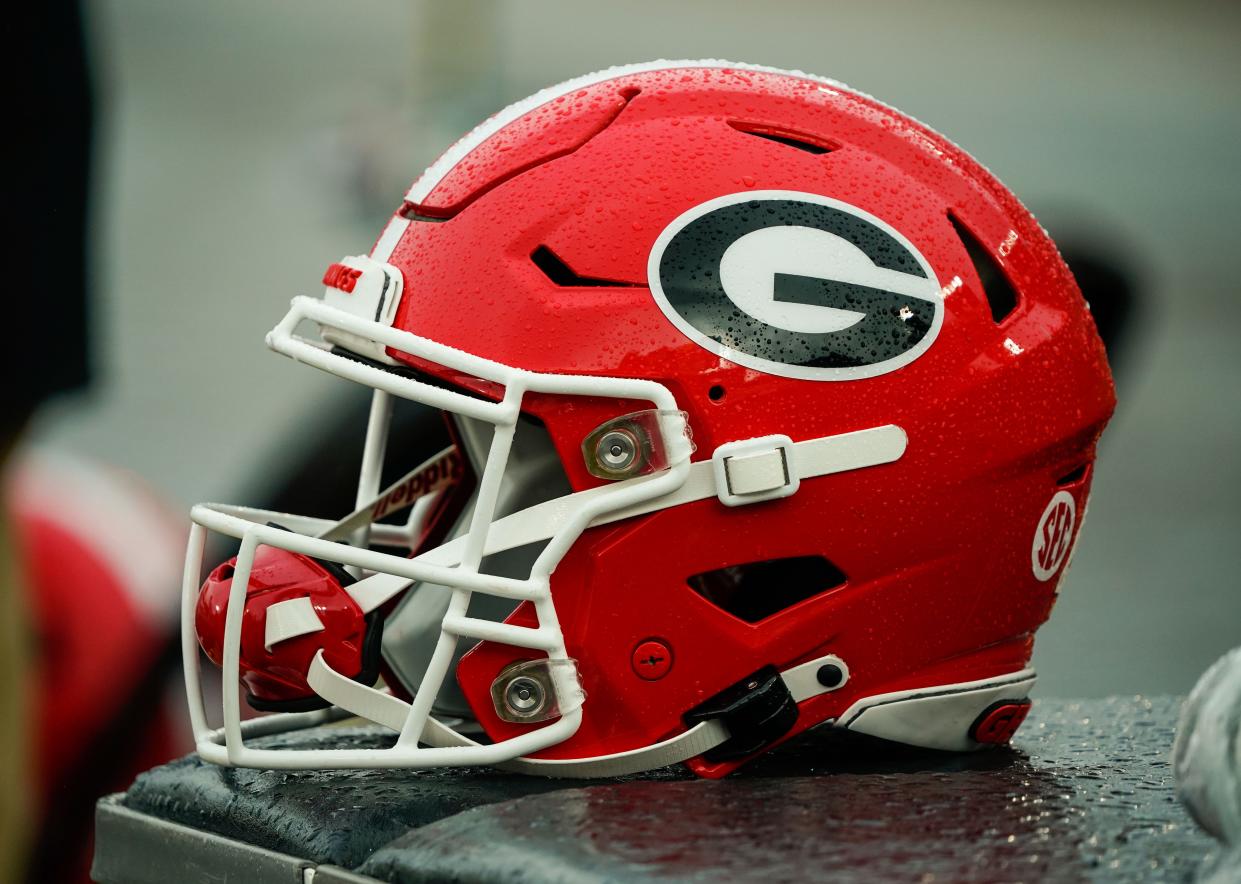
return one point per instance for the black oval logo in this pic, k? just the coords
(797, 285)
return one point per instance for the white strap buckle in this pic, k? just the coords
(752, 470)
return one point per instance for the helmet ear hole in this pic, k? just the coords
(755, 591)
(716, 393)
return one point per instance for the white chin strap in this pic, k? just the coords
(391, 712)
(937, 717)
(747, 464)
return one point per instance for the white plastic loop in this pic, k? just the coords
(289, 619)
(752, 470)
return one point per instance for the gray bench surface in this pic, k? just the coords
(1085, 795)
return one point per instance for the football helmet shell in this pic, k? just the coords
(887, 371)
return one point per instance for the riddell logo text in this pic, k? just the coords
(441, 473)
(338, 276)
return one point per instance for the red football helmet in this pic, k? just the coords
(771, 408)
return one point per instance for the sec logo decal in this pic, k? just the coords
(797, 285)
(1054, 536)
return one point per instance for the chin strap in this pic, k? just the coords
(698, 739)
(802, 683)
(771, 469)
(945, 716)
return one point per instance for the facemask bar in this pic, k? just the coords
(457, 568)
(378, 424)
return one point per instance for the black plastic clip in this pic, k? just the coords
(758, 710)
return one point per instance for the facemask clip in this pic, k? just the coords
(637, 444)
(531, 691)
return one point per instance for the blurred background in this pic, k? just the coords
(240, 147)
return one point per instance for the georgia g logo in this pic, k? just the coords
(797, 285)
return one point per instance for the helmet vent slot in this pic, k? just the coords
(563, 275)
(757, 590)
(797, 140)
(999, 292)
(1074, 477)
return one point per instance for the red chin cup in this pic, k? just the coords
(275, 678)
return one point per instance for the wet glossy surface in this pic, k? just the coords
(1086, 796)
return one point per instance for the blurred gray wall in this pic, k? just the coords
(246, 145)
